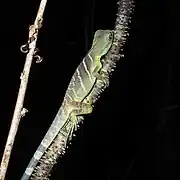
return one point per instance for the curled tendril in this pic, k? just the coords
(38, 58)
(25, 48)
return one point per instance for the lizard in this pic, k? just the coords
(80, 86)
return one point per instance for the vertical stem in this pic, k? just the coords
(33, 33)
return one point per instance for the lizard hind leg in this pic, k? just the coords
(81, 109)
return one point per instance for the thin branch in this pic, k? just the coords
(19, 110)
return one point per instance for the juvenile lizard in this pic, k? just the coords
(79, 88)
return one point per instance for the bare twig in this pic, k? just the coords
(18, 112)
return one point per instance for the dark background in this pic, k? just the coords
(133, 132)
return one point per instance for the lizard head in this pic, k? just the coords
(102, 41)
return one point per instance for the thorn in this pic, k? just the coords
(23, 112)
(22, 76)
(52, 162)
(36, 50)
(59, 152)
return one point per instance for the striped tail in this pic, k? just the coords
(52, 132)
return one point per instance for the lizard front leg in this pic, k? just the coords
(96, 72)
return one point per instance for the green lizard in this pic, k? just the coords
(79, 88)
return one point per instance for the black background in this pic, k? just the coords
(133, 132)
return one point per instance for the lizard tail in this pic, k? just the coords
(52, 132)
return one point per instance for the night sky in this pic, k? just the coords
(133, 132)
